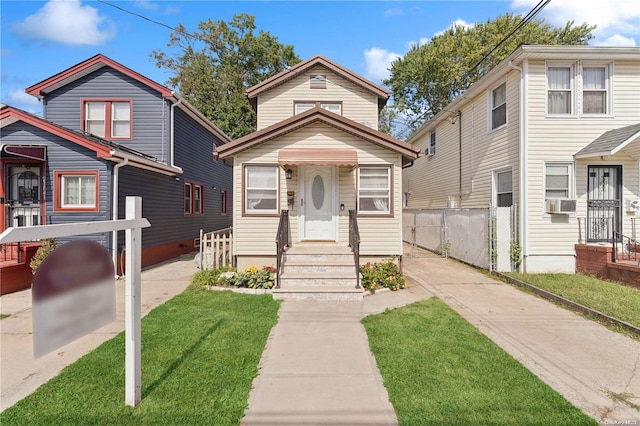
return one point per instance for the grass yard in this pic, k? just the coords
(619, 301)
(200, 353)
(438, 369)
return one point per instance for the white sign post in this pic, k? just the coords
(133, 225)
(133, 247)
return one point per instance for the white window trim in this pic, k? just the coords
(495, 185)
(389, 191)
(245, 189)
(572, 179)
(63, 190)
(608, 66)
(491, 108)
(574, 107)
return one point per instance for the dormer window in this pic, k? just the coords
(108, 119)
(318, 81)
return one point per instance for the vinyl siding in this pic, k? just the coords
(558, 139)
(256, 235)
(434, 180)
(163, 196)
(277, 104)
(150, 131)
(65, 155)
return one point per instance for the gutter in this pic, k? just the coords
(114, 214)
(172, 136)
(524, 164)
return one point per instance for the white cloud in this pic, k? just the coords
(19, 98)
(396, 11)
(146, 4)
(377, 63)
(613, 17)
(171, 10)
(617, 40)
(457, 23)
(422, 41)
(68, 22)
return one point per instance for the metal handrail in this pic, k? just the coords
(10, 251)
(282, 242)
(630, 248)
(354, 243)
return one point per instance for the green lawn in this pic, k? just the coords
(619, 301)
(200, 353)
(438, 369)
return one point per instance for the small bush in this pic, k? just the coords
(226, 276)
(382, 274)
(208, 277)
(48, 245)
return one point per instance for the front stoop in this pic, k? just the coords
(318, 272)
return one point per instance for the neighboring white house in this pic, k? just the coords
(317, 154)
(553, 129)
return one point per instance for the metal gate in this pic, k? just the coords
(604, 190)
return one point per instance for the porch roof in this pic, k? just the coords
(318, 115)
(609, 143)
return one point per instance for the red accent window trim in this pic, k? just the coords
(60, 192)
(193, 205)
(108, 116)
(223, 201)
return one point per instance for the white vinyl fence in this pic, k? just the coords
(484, 237)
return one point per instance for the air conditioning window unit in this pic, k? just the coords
(429, 152)
(560, 206)
(633, 206)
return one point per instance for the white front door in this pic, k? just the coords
(318, 205)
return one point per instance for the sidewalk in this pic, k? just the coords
(20, 374)
(592, 367)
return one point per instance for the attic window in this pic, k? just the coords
(318, 81)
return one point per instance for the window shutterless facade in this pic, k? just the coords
(108, 119)
(560, 84)
(499, 106)
(557, 180)
(187, 198)
(76, 191)
(197, 199)
(223, 202)
(261, 189)
(595, 85)
(503, 188)
(374, 190)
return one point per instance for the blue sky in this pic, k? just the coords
(41, 38)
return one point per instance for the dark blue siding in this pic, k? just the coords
(65, 155)
(149, 110)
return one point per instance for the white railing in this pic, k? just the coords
(216, 249)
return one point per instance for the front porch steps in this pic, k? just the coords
(320, 271)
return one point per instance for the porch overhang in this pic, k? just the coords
(30, 152)
(625, 139)
(318, 157)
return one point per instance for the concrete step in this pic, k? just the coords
(318, 293)
(301, 266)
(319, 248)
(318, 278)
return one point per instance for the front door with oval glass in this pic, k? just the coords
(318, 204)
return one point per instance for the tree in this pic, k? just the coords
(428, 77)
(214, 66)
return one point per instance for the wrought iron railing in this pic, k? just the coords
(625, 248)
(10, 252)
(282, 242)
(354, 243)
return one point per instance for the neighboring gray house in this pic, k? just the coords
(107, 133)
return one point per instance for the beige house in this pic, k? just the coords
(317, 156)
(553, 129)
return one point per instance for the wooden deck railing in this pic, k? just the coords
(282, 242)
(216, 248)
(10, 252)
(354, 243)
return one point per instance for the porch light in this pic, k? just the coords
(288, 173)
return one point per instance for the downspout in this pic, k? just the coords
(523, 199)
(459, 114)
(172, 129)
(114, 214)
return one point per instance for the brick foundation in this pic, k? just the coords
(596, 260)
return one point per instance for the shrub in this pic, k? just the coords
(207, 277)
(226, 276)
(382, 274)
(48, 245)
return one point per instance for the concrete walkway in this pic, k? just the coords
(596, 369)
(20, 374)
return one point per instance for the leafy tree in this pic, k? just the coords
(428, 77)
(213, 67)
